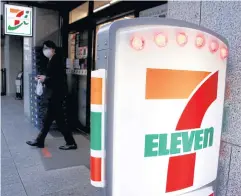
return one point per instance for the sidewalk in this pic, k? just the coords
(23, 171)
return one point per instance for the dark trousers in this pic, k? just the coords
(56, 111)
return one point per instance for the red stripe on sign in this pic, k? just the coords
(20, 14)
(16, 22)
(212, 194)
(191, 118)
(95, 169)
(198, 104)
(180, 177)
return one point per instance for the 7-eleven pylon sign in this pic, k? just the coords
(157, 105)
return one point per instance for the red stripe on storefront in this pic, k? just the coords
(181, 168)
(95, 169)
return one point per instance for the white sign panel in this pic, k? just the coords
(18, 20)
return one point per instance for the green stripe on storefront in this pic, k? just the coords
(95, 134)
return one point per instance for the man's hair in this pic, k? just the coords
(50, 44)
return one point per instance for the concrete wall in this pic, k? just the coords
(46, 26)
(2, 56)
(159, 11)
(224, 18)
(13, 61)
(27, 61)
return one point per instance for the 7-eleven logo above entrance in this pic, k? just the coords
(19, 14)
(18, 20)
(184, 143)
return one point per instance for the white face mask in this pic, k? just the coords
(47, 53)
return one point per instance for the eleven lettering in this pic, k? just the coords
(180, 142)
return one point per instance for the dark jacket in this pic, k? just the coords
(56, 80)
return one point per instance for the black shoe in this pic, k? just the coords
(35, 143)
(68, 147)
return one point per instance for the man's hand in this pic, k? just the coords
(41, 78)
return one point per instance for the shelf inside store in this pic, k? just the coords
(80, 72)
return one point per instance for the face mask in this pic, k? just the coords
(47, 53)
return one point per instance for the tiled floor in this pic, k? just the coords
(23, 173)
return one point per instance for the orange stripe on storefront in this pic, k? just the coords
(12, 10)
(172, 84)
(96, 91)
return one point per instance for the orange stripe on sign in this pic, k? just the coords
(12, 10)
(95, 169)
(172, 84)
(96, 91)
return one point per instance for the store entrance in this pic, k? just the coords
(77, 78)
(76, 65)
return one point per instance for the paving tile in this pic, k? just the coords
(234, 183)
(15, 189)
(79, 191)
(5, 153)
(76, 176)
(38, 182)
(7, 163)
(25, 159)
(9, 175)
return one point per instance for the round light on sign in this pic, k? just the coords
(223, 52)
(161, 40)
(213, 46)
(200, 41)
(137, 43)
(181, 39)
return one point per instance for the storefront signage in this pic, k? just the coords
(164, 82)
(18, 20)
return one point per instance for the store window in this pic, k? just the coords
(71, 47)
(99, 5)
(79, 12)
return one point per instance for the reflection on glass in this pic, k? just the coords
(78, 13)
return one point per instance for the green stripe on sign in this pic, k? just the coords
(95, 134)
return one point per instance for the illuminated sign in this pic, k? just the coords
(18, 20)
(157, 101)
